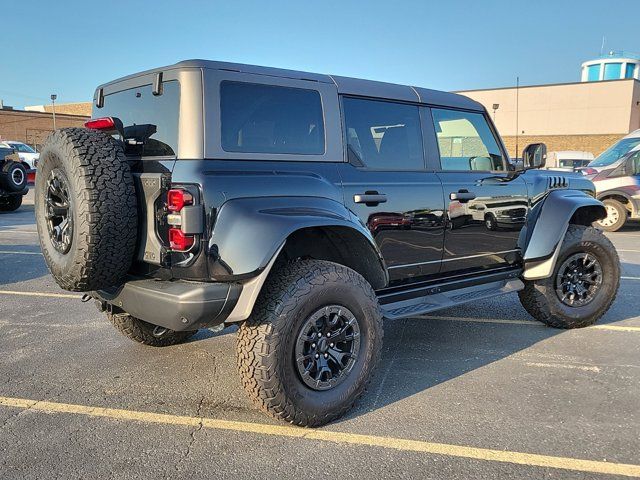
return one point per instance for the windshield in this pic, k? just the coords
(615, 151)
(21, 147)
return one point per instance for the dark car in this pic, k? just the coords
(13, 180)
(305, 208)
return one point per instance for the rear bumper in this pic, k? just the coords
(176, 305)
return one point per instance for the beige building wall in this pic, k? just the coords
(585, 116)
(78, 108)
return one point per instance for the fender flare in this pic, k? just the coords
(547, 224)
(249, 232)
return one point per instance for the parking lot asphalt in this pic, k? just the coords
(480, 391)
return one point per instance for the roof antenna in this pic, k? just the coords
(602, 45)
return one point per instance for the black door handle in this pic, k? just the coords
(462, 195)
(370, 199)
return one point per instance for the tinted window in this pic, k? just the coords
(269, 119)
(384, 135)
(150, 121)
(466, 141)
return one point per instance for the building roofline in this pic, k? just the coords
(546, 85)
(35, 112)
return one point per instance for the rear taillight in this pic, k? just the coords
(178, 240)
(105, 123)
(177, 199)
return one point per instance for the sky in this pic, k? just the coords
(68, 47)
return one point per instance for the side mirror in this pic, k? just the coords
(534, 155)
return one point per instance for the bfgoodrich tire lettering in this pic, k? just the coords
(102, 209)
(267, 341)
(541, 298)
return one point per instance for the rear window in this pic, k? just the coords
(150, 121)
(270, 119)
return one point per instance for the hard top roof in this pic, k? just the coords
(345, 85)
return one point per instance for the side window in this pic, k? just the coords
(466, 142)
(384, 135)
(635, 164)
(259, 118)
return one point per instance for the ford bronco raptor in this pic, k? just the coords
(13, 180)
(306, 208)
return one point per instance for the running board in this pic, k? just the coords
(451, 298)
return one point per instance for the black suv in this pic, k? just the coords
(306, 208)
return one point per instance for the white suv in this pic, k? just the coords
(27, 154)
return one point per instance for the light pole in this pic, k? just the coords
(496, 106)
(53, 105)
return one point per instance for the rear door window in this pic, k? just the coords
(383, 135)
(257, 118)
(150, 121)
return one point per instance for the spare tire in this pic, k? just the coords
(13, 176)
(86, 211)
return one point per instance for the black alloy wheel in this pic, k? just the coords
(327, 347)
(58, 212)
(578, 279)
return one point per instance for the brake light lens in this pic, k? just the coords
(178, 198)
(178, 240)
(105, 123)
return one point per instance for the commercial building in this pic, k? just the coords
(34, 127)
(589, 115)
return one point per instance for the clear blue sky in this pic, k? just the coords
(68, 47)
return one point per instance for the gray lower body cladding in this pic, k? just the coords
(177, 305)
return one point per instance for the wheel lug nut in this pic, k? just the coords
(331, 345)
(328, 334)
(326, 355)
(317, 355)
(313, 345)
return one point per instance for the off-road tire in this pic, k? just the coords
(10, 203)
(622, 216)
(539, 297)
(142, 332)
(266, 340)
(103, 206)
(7, 179)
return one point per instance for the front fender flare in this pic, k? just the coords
(547, 224)
(248, 232)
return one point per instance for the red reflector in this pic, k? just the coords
(589, 171)
(176, 199)
(178, 240)
(105, 123)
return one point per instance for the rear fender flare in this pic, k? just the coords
(547, 224)
(249, 232)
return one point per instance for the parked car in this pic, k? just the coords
(13, 180)
(26, 153)
(206, 193)
(568, 160)
(618, 187)
(612, 155)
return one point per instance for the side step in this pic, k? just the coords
(451, 298)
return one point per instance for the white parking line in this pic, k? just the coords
(8, 252)
(564, 365)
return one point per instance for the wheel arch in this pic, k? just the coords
(249, 232)
(544, 233)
